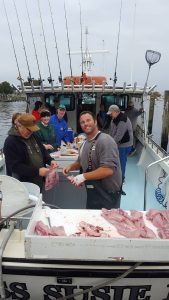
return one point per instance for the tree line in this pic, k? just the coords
(6, 88)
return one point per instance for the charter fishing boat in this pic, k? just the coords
(106, 265)
(82, 267)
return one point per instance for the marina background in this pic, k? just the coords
(8, 108)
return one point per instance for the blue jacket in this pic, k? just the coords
(61, 129)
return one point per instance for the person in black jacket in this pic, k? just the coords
(25, 156)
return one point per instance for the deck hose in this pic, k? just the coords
(160, 191)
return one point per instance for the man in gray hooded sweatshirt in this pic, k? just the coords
(122, 132)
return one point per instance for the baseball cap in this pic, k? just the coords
(113, 108)
(61, 106)
(28, 121)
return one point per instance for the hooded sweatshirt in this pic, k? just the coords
(24, 157)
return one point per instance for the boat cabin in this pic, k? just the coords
(82, 97)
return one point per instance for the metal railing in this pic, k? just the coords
(140, 133)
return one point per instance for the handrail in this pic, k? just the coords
(158, 148)
(87, 88)
(145, 178)
(141, 132)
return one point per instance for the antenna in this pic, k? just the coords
(19, 77)
(87, 58)
(50, 80)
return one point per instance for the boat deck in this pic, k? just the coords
(134, 188)
(65, 195)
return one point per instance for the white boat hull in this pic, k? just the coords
(50, 281)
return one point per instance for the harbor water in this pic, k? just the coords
(8, 108)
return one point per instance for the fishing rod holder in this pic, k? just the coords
(30, 79)
(40, 80)
(50, 80)
(60, 79)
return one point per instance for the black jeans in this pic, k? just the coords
(98, 198)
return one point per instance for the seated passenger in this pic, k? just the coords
(60, 125)
(46, 133)
(54, 108)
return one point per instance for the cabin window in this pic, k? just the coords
(120, 100)
(88, 98)
(49, 99)
(66, 99)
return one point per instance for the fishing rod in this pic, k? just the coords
(40, 77)
(133, 44)
(81, 39)
(68, 40)
(118, 40)
(56, 45)
(13, 46)
(30, 79)
(50, 75)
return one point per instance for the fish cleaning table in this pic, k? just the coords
(83, 248)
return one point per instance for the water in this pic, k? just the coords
(7, 109)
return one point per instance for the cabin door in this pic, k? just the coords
(85, 102)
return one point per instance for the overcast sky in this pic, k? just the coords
(144, 25)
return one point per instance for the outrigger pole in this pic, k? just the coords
(50, 76)
(68, 40)
(30, 79)
(40, 77)
(19, 77)
(56, 45)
